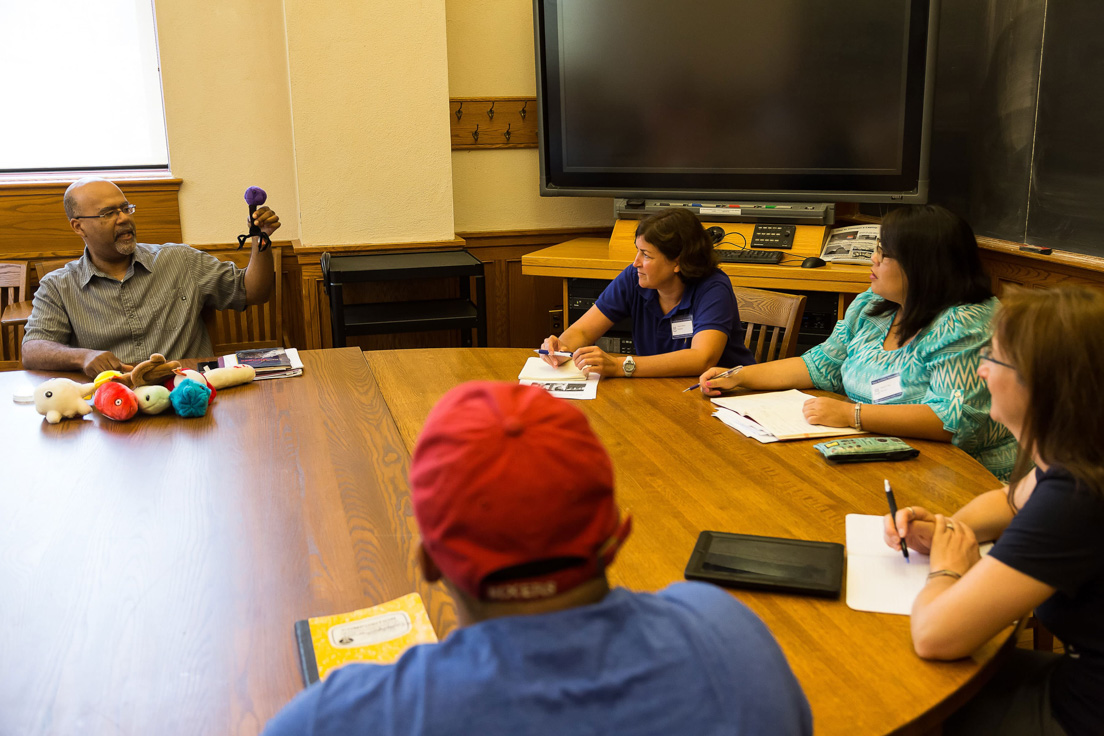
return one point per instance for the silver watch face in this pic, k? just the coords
(629, 365)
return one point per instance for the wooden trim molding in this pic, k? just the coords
(1007, 264)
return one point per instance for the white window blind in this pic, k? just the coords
(80, 86)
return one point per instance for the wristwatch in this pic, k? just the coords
(629, 366)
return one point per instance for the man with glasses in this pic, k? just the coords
(123, 300)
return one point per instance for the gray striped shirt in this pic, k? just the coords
(154, 309)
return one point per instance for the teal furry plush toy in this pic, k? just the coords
(190, 399)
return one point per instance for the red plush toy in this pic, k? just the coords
(116, 401)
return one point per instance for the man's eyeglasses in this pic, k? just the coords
(111, 214)
(987, 354)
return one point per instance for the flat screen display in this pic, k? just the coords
(788, 97)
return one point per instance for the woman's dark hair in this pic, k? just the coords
(678, 234)
(1052, 337)
(938, 253)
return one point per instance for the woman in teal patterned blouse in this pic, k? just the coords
(906, 351)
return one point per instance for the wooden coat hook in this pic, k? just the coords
(473, 131)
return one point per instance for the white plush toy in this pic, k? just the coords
(62, 398)
(234, 375)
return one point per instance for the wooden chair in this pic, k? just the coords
(772, 322)
(13, 293)
(258, 326)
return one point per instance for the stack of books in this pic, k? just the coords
(268, 362)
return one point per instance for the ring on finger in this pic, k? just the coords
(912, 513)
(950, 525)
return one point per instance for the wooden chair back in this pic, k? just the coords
(44, 267)
(13, 290)
(772, 321)
(258, 326)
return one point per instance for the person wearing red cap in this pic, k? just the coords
(513, 494)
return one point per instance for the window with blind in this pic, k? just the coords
(80, 87)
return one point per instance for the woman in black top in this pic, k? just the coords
(1045, 371)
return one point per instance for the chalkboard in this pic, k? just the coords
(1067, 186)
(1018, 122)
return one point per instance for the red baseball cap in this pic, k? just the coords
(506, 475)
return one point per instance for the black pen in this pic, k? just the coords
(727, 373)
(893, 515)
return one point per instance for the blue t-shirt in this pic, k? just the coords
(690, 659)
(708, 304)
(1056, 538)
(938, 367)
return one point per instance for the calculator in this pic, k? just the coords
(865, 449)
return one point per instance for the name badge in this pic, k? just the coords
(682, 326)
(886, 388)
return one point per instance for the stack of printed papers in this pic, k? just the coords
(772, 416)
(564, 381)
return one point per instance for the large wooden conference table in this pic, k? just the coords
(151, 571)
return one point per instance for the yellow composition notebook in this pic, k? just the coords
(378, 635)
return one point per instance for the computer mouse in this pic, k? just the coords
(813, 262)
(716, 234)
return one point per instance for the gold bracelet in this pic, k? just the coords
(858, 416)
(948, 573)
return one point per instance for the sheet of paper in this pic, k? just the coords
(780, 413)
(536, 369)
(564, 381)
(581, 390)
(744, 426)
(878, 578)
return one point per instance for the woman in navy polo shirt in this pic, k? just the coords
(1043, 371)
(682, 306)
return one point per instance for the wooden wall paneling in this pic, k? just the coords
(493, 122)
(33, 225)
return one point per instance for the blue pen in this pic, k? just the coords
(554, 352)
(893, 515)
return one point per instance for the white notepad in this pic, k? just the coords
(536, 369)
(564, 381)
(878, 578)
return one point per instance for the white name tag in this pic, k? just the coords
(682, 326)
(886, 388)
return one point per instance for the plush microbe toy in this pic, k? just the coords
(190, 398)
(235, 375)
(106, 376)
(150, 372)
(152, 399)
(182, 376)
(116, 401)
(61, 397)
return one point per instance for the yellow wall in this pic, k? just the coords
(224, 73)
(313, 102)
(369, 90)
(490, 54)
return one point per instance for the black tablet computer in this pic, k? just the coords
(768, 563)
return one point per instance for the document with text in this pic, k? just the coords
(780, 414)
(564, 381)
